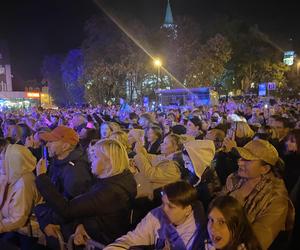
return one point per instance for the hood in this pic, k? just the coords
(17, 162)
(201, 153)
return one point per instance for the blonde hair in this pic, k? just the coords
(116, 153)
(121, 137)
(113, 126)
(244, 130)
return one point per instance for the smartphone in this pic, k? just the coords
(44, 152)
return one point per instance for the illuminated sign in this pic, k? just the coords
(271, 85)
(32, 95)
(288, 57)
(262, 89)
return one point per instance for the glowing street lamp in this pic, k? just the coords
(157, 62)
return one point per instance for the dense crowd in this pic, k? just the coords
(220, 177)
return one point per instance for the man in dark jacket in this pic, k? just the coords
(69, 172)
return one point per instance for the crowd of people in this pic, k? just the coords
(220, 177)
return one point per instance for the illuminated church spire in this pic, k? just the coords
(169, 21)
(168, 17)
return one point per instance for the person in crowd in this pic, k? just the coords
(176, 224)
(146, 120)
(122, 137)
(194, 128)
(228, 226)
(217, 136)
(291, 159)
(153, 140)
(77, 122)
(18, 192)
(35, 144)
(7, 126)
(69, 172)
(159, 170)
(19, 133)
(198, 156)
(86, 135)
(281, 127)
(224, 163)
(259, 188)
(133, 120)
(102, 213)
(107, 128)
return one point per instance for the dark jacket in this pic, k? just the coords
(71, 176)
(208, 187)
(225, 164)
(292, 170)
(154, 148)
(104, 210)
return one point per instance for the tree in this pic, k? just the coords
(209, 63)
(51, 71)
(113, 63)
(72, 70)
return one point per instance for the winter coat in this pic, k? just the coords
(18, 192)
(104, 210)
(71, 176)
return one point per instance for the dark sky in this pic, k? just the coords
(35, 28)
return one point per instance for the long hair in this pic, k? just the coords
(236, 220)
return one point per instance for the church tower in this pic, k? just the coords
(169, 21)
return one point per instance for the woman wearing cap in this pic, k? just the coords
(261, 191)
(104, 208)
(197, 156)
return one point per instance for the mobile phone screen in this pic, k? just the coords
(44, 152)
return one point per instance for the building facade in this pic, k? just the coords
(5, 68)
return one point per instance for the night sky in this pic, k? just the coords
(35, 28)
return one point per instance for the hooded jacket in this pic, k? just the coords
(18, 192)
(204, 178)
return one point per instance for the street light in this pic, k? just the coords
(298, 66)
(157, 63)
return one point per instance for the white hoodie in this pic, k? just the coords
(18, 193)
